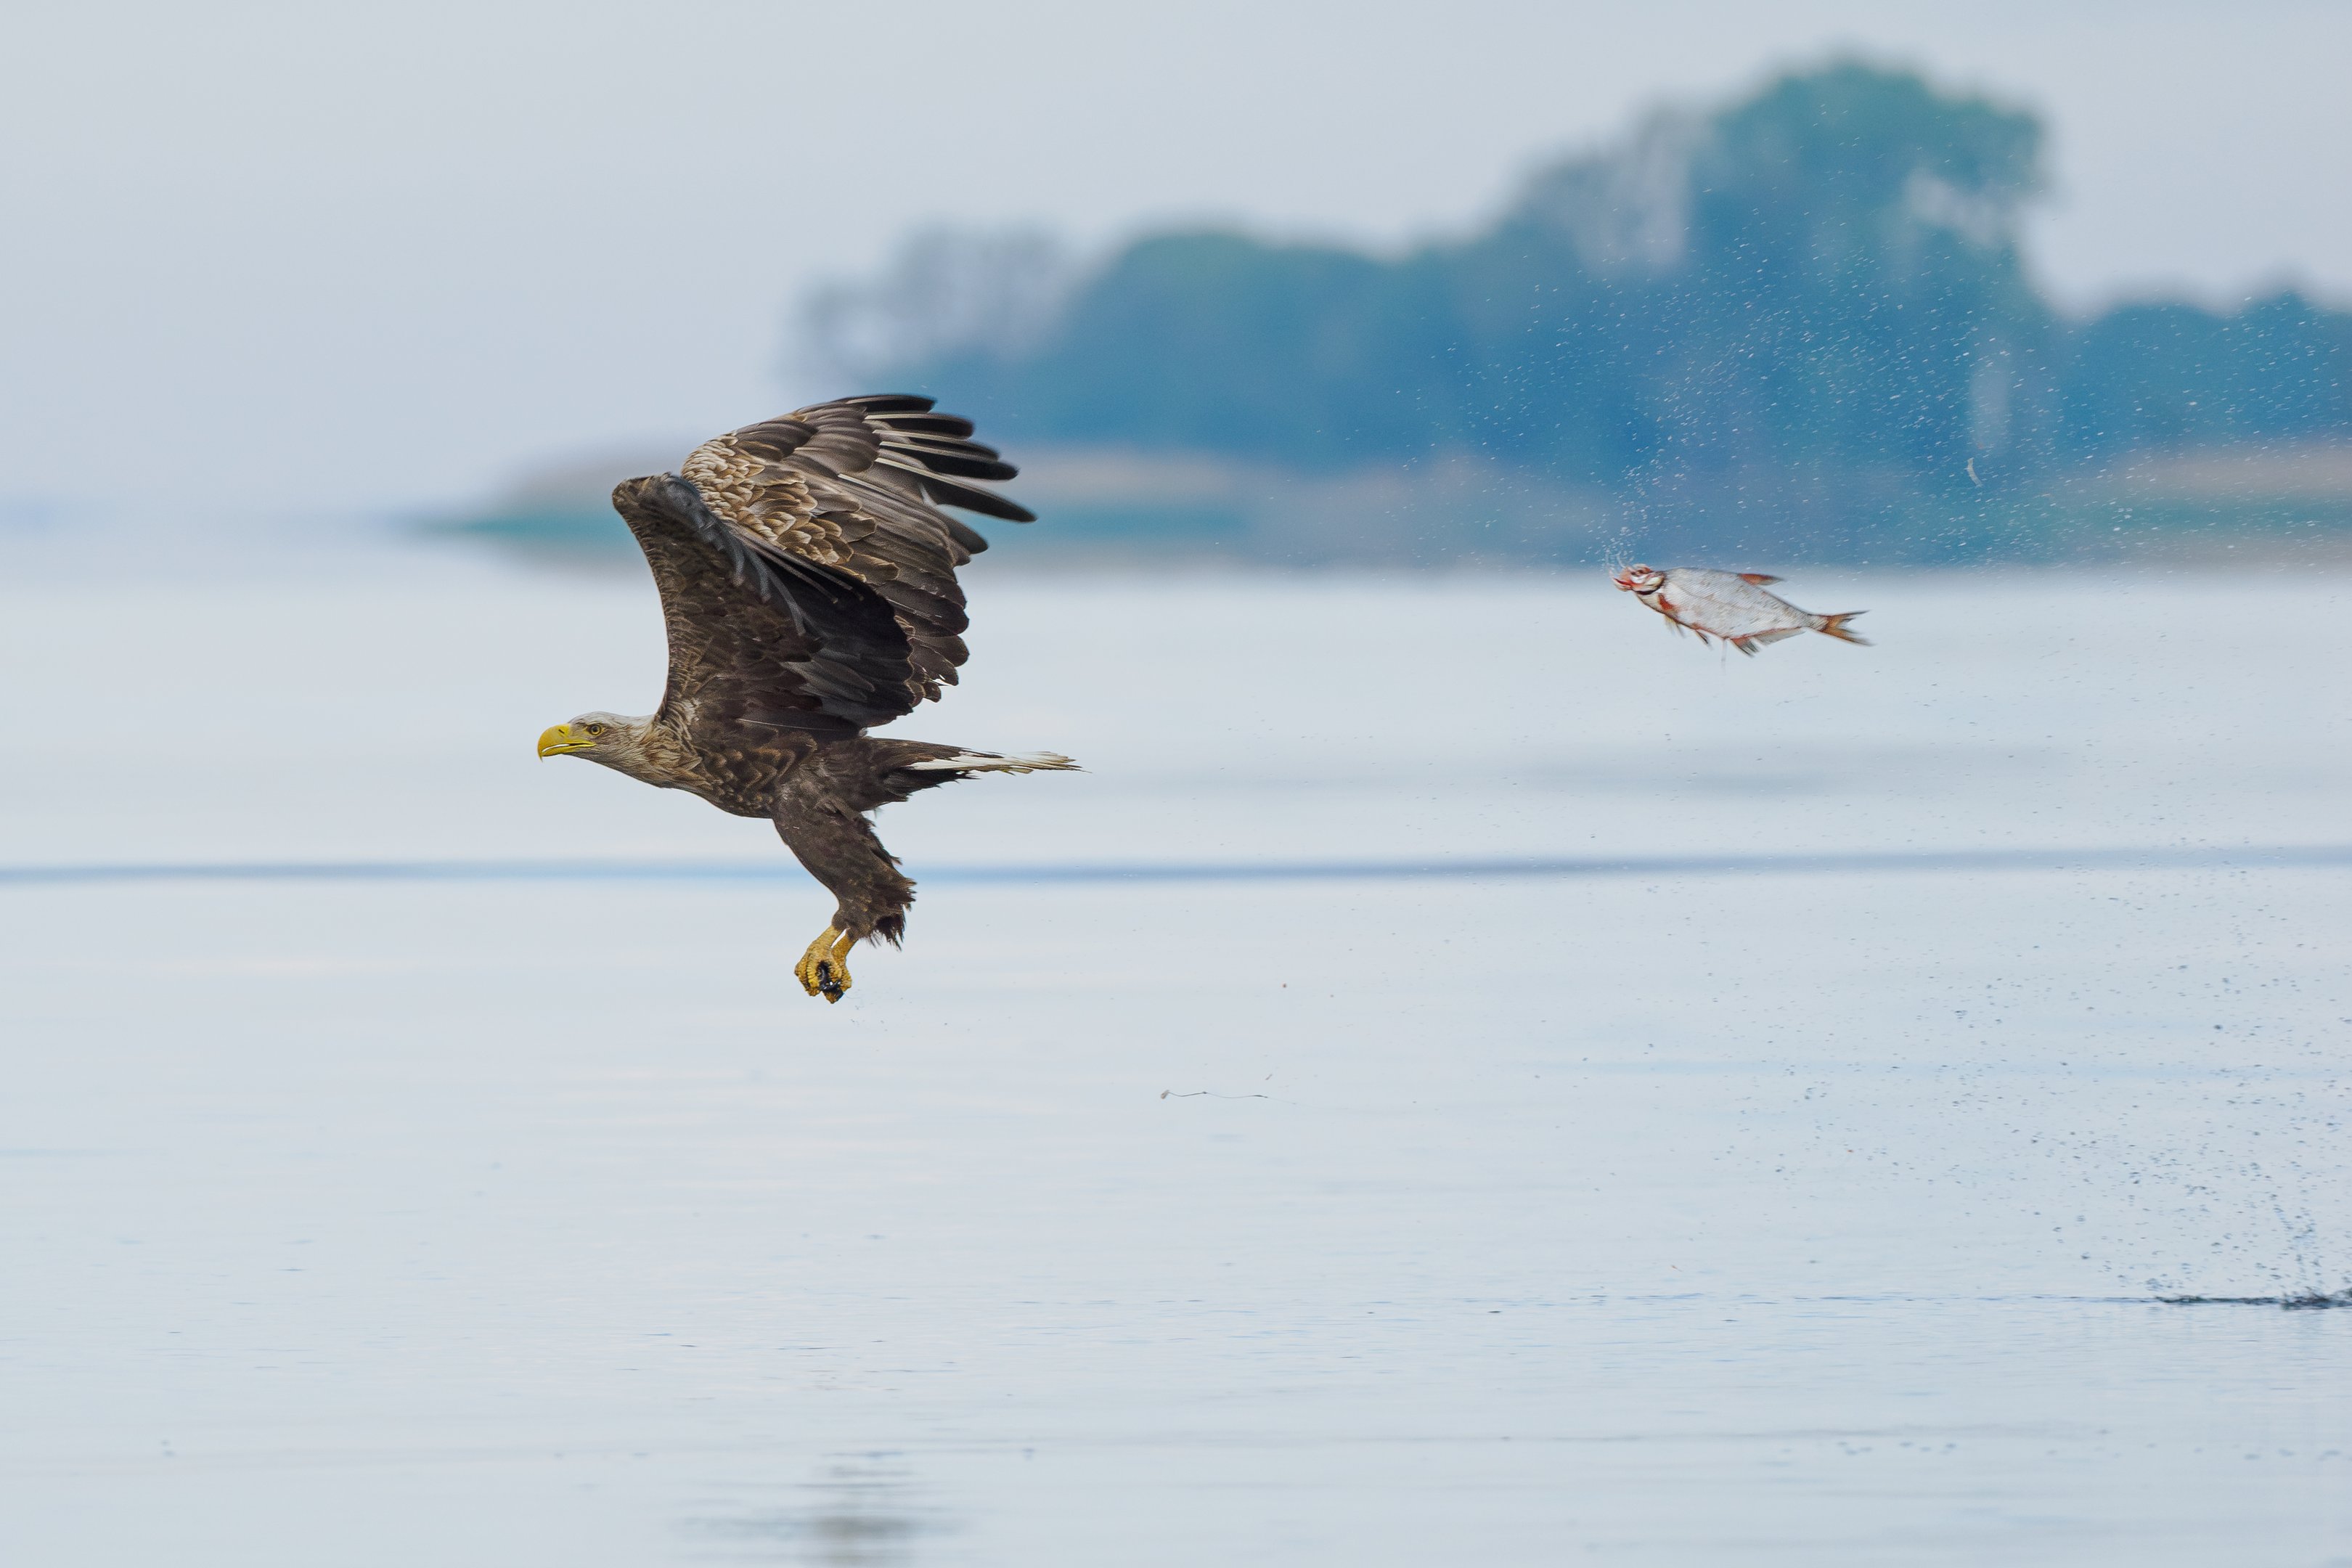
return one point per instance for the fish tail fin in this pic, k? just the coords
(1835, 626)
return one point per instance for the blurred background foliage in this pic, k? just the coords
(1801, 326)
(1802, 322)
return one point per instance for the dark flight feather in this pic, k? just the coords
(931, 423)
(885, 403)
(941, 460)
(985, 502)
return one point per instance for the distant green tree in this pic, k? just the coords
(1825, 274)
(2177, 375)
(1820, 283)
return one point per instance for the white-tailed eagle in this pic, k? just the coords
(807, 579)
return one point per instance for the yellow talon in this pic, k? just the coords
(824, 969)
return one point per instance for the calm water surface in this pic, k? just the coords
(1812, 1217)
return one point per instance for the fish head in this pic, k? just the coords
(1639, 579)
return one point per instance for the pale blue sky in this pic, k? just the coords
(387, 255)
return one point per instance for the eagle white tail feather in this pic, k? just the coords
(988, 763)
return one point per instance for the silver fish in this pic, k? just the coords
(1733, 605)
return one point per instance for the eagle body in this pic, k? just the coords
(807, 577)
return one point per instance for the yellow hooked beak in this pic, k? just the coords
(554, 742)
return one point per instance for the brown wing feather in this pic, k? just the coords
(760, 636)
(807, 575)
(856, 486)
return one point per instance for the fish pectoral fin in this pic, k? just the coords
(1757, 577)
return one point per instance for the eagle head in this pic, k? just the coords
(608, 738)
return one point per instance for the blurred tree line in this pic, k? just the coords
(1817, 289)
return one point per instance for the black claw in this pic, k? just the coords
(825, 984)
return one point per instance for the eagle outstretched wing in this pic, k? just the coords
(807, 573)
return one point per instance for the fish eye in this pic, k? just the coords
(595, 729)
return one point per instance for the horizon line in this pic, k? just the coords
(1824, 863)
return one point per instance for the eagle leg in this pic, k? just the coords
(824, 969)
(820, 812)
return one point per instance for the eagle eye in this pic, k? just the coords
(595, 729)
